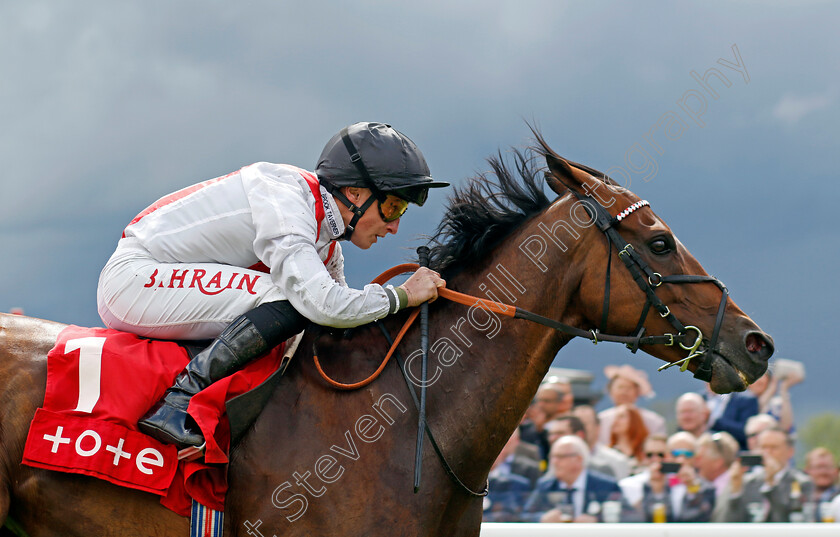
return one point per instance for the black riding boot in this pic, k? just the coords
(248, 337)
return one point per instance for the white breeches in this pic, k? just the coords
(139, 294)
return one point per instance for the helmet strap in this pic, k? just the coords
(358, 212)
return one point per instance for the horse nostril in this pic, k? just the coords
(760, 344)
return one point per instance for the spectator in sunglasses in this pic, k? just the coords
(682, 494)
(655, 450)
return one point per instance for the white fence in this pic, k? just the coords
(659, 530)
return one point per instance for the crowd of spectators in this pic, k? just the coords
(729, 458)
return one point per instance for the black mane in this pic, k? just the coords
(488, 207)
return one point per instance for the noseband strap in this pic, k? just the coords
(689, 338)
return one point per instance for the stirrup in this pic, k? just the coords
(192, 453)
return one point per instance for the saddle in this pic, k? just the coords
(101, 381)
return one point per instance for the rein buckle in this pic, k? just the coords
(626, 250)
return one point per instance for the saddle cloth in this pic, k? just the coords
(100, 382)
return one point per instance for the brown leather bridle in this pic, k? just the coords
(688, 337)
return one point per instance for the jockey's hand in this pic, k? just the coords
(422, 286)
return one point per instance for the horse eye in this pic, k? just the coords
(659, 246)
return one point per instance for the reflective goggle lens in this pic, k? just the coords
(392, 208)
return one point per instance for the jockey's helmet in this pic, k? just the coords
(378, 157)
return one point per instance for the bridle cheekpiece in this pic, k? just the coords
(689, 338)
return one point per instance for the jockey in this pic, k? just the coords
(193, 265)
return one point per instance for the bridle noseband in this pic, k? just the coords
(689, 337)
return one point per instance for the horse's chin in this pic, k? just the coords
(726, 377)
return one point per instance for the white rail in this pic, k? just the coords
(659, 530)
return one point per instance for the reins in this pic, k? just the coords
(632, 342)
(383, 278)
(689, 338)
(448, 294)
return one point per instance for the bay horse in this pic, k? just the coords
(320, 461)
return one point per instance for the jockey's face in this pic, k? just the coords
(370, 226)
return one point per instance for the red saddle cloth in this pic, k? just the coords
(99, 383)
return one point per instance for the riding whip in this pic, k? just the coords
(423, 257)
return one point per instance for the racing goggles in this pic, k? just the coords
(392, 207)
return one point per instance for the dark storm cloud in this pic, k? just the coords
(106, 106)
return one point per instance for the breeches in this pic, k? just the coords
(139, 294)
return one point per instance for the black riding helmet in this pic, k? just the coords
(378, 157)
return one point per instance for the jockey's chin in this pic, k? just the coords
(371, 228)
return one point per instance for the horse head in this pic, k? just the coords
(654, 287)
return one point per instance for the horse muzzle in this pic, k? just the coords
(736, 366)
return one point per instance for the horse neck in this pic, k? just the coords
(503, 361)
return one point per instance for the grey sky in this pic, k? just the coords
(106, 106)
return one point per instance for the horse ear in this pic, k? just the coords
(563, 175)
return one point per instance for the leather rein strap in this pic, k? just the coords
(636, 266)
(643, 275)
(454, 296)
